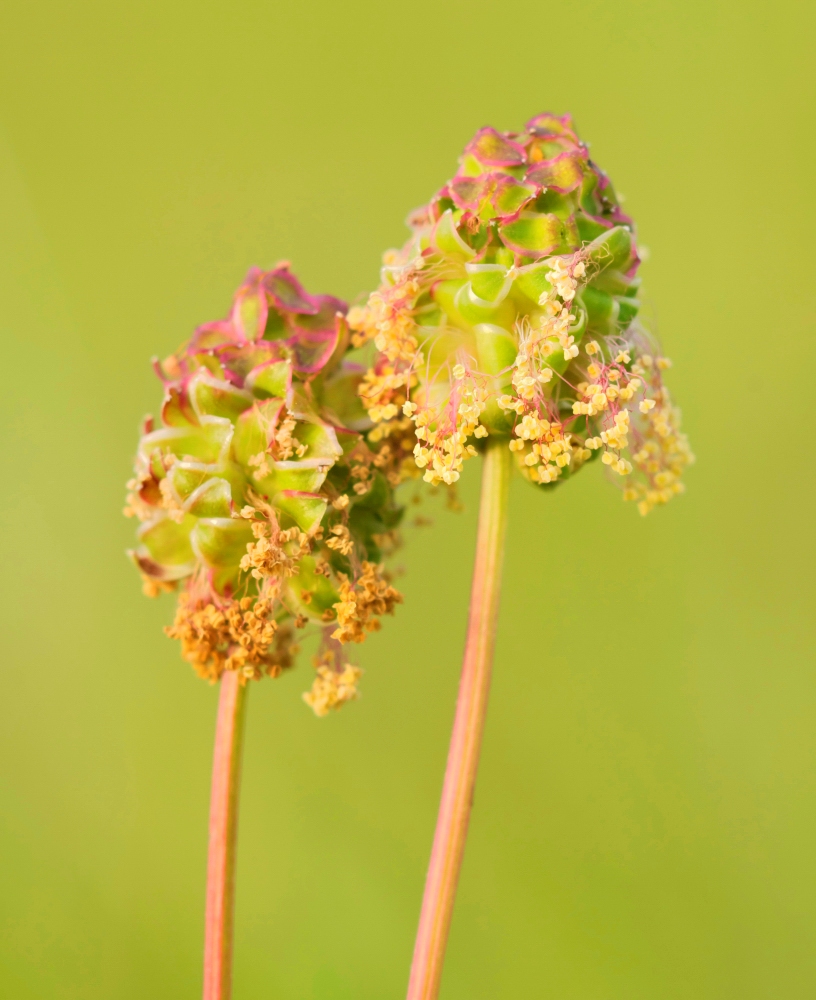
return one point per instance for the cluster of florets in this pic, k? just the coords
(260, 495)
(512, 312)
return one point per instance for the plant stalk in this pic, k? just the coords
(468, 727)
(226, 780)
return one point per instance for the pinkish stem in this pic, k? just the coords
(468, 727)
(226, 780)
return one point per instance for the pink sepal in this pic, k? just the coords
(495, 150)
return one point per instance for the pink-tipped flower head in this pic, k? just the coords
(258, 493)
(512, 311)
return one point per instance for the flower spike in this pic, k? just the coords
(260, 497)
(507, 327)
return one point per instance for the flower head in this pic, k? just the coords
(259, 495)
(512, 311)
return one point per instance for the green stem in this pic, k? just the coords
(468, 727)
(226, 780)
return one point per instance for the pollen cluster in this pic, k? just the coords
(335, 683)
(231, 635)
(362, 603)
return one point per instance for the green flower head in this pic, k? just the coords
(512, 311)
(258, 494)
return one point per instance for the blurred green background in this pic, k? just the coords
(646, 809)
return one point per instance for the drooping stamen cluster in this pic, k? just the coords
(275, 553)
(363, 602)
(335, 683)
(512, 311)
(387, 319)
(660, 450)
(260, 495)
(218, 635)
